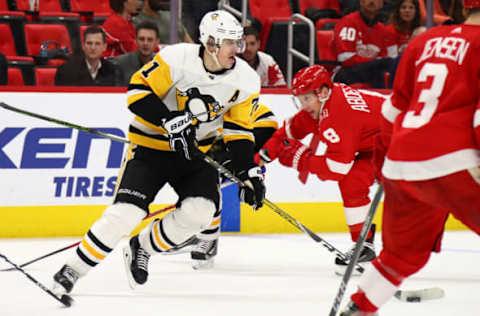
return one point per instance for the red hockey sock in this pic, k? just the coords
(355, 231)
(363, 302)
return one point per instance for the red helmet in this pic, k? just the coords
(311, 78)
(471, 4)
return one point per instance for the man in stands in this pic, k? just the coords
(347, 121)
(147, 41)
(89, 69)
(431, 133)
(157, 11)
(264, 64)
(362, 48)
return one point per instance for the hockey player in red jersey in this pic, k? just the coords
(431, 131)
(347, 121)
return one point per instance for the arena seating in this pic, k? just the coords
(45, 76)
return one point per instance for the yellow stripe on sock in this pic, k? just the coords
(92, 251)
(157, 237)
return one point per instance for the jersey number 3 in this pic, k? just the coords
(429, 97)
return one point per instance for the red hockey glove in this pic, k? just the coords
(269, 151)
(294, 154)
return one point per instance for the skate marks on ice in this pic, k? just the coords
(255, 275)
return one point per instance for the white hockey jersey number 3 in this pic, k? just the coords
(429, 96)
(331, 135)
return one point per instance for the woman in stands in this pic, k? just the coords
(405, 19)
(119, 28)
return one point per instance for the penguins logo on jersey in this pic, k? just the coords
(203, 106)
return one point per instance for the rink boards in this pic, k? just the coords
(55, 181)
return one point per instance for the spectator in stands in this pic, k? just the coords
(404, 20)
(3, 70)
(154, 11)
(89, 69)
(264, 64)
(444, 12)
(119, 28)
(147, 41)
(361, 46)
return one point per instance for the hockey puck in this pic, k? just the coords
(66, 300)
(413, 299)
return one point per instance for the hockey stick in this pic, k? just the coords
(206, 158)
(78, 242)
(57, 121)
(404, 295)
(221, 169)
(64, 299)
(356, 251)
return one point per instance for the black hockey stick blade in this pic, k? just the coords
(415, 296)
(65, 299)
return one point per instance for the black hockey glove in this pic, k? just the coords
(253, 192)
(181, 133)
(184, 142)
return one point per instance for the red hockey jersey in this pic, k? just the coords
(348, 124)
(356, 42)
(398, 39)
(434, 108)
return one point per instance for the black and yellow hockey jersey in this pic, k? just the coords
(177, 74)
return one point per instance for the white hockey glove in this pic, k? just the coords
(253, 192)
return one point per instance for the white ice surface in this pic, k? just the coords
(265, 275)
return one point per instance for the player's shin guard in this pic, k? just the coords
(378, 284)
(117, 221)
(193, 216)
(355, 217)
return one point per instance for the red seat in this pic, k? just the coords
(35, 34)
(7, 45)
(45, 76)
(91, 9)
(319, 4)
(47, 8)
(267, 12)
(325, 48)
(44, 5)
(15, 77)
(3, 5)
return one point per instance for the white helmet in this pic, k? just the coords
(219, 25)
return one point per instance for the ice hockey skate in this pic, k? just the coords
(352, 310)
(203, 254)
(64, 280)
(136, 263)
(367, 254)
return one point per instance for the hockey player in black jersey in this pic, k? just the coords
(221, 91)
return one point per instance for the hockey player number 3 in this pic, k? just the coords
(429, 96)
